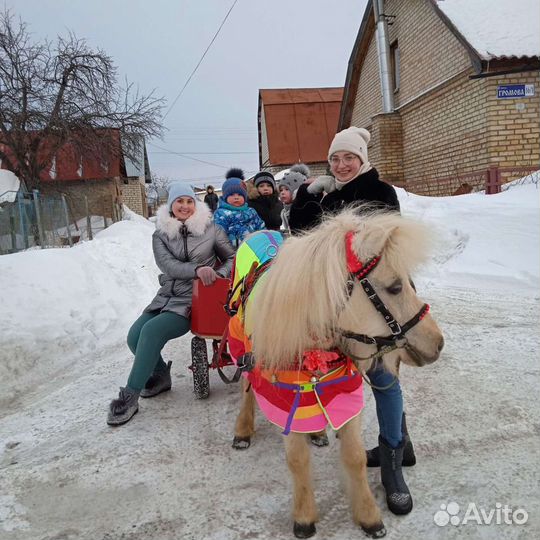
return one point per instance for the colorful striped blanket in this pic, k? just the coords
(324, 389)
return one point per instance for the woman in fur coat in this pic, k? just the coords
(187, 245)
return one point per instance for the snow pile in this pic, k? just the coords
(483, 241)
(59, 304)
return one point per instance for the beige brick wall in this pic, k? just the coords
(134, 196)
(386, 147)
(100, 194)
(368, 100)
(462, 128)
(513, 124)
(429, 51)
(429, 54)
(444, 132)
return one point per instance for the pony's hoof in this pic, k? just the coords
(304, 530)
(375, 531)
(241, 443)
(319, 440)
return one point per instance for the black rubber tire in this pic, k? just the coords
(200, 368)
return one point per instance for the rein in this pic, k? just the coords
(397, 339)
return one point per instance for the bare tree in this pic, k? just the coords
(157, 186)
(67, 92)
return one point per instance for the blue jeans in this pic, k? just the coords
(389, 405)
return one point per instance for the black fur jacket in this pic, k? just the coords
(307, 209)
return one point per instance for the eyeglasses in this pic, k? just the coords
(347, 160)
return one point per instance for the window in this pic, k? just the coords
(395, 60)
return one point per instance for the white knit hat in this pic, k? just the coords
(354, 140)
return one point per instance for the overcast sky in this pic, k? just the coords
(157, 44)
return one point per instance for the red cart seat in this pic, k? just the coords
(208, 316)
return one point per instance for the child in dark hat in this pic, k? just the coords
(211, 199)
(266, 202)
(233, 214)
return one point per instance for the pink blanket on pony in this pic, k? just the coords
(325, 390)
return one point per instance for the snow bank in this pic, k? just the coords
(483, 240)
(58, 304)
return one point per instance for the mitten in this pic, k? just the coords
(322, 183)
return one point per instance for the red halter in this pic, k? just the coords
(354, 264)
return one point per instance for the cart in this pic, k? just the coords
(209, 320)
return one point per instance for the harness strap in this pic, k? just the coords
(380, 306)
(299, 389)
(221, 350)
(394, 341)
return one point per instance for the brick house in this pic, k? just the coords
(464, 99)
(103, 184)
(297, 125)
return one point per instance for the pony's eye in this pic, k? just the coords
(395, 288)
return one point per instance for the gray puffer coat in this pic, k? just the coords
(179, 249)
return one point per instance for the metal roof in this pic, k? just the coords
(300, 123)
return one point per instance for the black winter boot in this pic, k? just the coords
(121, 410)
(398, 496)
(159, 381)
(409, 459)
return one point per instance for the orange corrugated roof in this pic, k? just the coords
(300, 123)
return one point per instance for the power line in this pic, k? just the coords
(200, 61)
(203, 153)
(188, 157)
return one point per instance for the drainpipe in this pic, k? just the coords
(383, 52)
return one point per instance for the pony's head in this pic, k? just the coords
(308, 298)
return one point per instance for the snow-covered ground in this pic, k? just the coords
(171, 473)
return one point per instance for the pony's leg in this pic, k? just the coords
(299, 462)
(245, 421)
(353, 454)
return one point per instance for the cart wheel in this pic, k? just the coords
(199, 359)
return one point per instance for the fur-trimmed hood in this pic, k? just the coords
(196, 224)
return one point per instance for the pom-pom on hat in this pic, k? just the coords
(177, 190)
(234, 184)
(264, 176)
(354, 140)
(296, 176)
(235, 172)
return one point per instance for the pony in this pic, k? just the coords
(341, 293)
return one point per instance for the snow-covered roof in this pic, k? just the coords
(496, 28)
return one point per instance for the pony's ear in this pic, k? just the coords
(404, 242)
(369, 242)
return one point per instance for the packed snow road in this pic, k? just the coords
(171, 473)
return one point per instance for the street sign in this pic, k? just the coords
(513, 91)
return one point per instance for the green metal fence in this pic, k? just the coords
(34, 220)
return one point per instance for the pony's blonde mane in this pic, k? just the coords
(296, 305)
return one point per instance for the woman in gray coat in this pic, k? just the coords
(187, 245)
